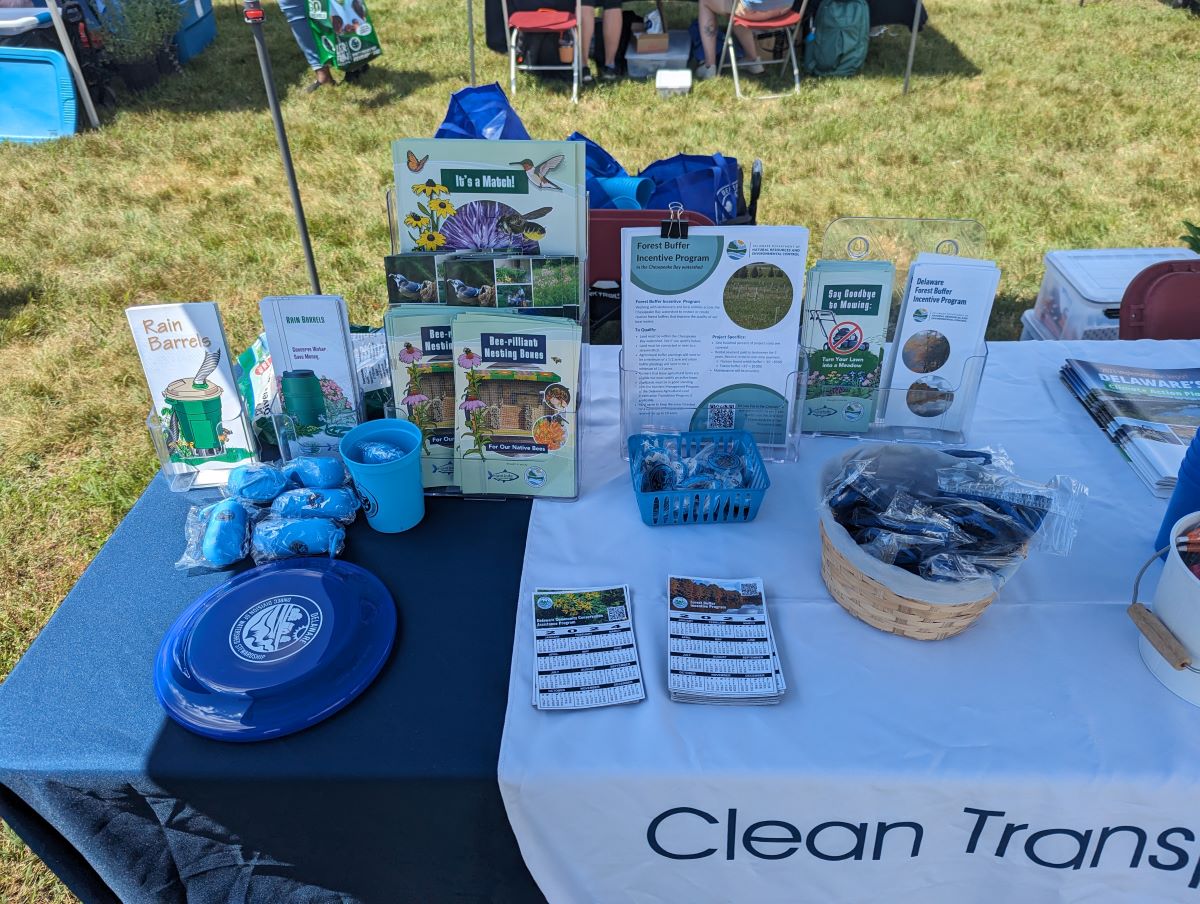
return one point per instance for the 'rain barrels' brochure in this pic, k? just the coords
(710, 326)
(947, 303)
(521, 197)
(192, 388)
(313, 358)
(516, 379)
(420, 353)
(845, 327)
(586, 653)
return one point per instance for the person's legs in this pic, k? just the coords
(710, 31)
(614, 19)
(587, 27)
(296, 13)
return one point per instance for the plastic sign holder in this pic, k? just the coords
(948, 409)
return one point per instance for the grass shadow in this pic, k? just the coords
(1005, 322)
(935, 55)
(15, 298)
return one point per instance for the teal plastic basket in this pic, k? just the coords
(664, 507)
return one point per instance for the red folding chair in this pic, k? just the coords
(543, 21)
(788, 23)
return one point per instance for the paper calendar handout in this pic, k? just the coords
(720, 644)
(585, 650)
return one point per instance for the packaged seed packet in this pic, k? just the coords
(343, 33)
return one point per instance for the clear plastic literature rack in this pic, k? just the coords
(936, 408)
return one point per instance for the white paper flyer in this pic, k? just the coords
(711, 325)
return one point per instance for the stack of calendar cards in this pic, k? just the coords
(720, 643)
(585, 649)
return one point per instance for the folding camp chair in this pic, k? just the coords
(543, 21)
(786, 22)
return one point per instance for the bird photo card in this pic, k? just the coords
(416, 278)
(521, 197)
(192, 388)
(549, 286)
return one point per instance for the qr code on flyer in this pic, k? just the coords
(618, 613)
(721, 416)
(749, 588)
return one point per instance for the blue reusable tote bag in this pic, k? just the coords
(482, 111)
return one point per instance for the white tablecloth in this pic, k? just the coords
(1042, 711)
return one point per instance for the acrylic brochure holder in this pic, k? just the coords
(295, 438)
(774, 426)
(506, 472)
(946, 410)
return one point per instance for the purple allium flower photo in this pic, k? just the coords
(475, 227)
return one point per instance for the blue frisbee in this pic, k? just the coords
(275, 649)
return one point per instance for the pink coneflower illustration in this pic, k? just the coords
(468, 360)
(410, 353)
(415, 398)
(472, 405)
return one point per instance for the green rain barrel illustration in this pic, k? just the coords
(197, 410)
(302, 398)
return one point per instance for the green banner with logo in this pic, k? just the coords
(343, 33)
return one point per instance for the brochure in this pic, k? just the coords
(518, 197)
(420, 355)
(315, 367)
(1151, 414)
(586, 653)
(186, 360)
(710, 326)
(845, 326)
(517, 381)
(943, 320)
(721, 647)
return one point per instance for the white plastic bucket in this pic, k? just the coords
(1177, 604)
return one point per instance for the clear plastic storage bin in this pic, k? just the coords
(645, 65)
(1080, 297)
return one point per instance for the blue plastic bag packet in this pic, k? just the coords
(283, 538)
(218, 535)
(374, 452)
(482, 111)
(705, 184)
(256, 483)
(338, 504)
(316, 471)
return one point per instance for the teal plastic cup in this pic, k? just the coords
(628, 192)
(390, 492)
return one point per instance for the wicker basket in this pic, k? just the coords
(874, 603)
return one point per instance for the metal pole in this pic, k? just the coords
(912, 45)
(69, 53)
(471, 36)
(253, 16)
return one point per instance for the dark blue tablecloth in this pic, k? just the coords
(392, 800)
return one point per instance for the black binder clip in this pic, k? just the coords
(676, 226)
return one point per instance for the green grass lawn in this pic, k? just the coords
(1055, 126)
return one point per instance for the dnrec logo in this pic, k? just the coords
(275, 628)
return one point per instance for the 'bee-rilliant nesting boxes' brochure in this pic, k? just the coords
(517, 382)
